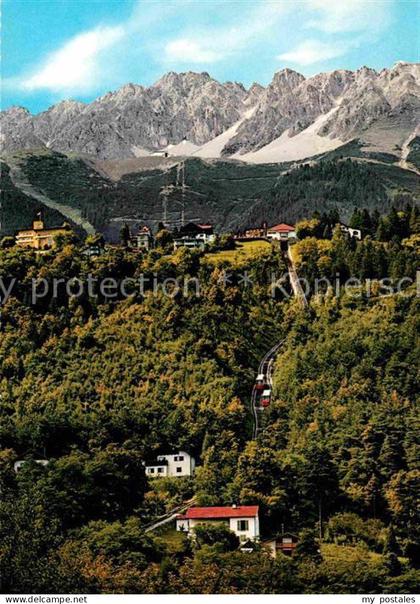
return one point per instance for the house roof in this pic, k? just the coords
(63, 227)
(241, 511)
(282, 228)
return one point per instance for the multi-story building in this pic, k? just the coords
(174, 464)
(40, 237)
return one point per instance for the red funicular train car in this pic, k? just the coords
(260, 382)
(266, 398)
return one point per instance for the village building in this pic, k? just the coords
(174, 464)
(352, 233)
(143, 240)
(284, 543)
(242, 520)
(194, 235)
(40, 237)
(281, 232)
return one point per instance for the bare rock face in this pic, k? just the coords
(17, 130)
(196, 107)
(291, 103)
(373, 96)
(187, 105)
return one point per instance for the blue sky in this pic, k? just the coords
(59, 49)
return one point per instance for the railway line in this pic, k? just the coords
(265, 369)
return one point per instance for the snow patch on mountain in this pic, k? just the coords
(214, 148)
(288, 148)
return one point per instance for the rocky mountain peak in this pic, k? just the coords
(15, 111)
(196, 107)
(287, 77)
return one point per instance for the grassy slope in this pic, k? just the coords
(244, 251)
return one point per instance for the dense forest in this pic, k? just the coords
(387, 252)
(96, 384)
(337, 184)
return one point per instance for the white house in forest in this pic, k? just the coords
(352, 233)
(243, 520)
(174, 464)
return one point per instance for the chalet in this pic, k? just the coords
(352, 233)
(194, 235)
(40, 237)
(18, 464)
(284, 543)
(143, 240)
(281, 232)
(174, 464)
(206, 233)
(242, 520)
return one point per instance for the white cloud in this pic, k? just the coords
(340, 16)
(313, 51)
(186, 50)
(344, 26)
(74, 66)
(217, 43)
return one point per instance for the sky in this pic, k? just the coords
(59, 49)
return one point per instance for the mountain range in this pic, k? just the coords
(191, 114)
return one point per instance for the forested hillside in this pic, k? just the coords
(229, 194)
(17, 210)
(97, 384)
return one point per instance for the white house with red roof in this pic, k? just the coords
(281, 232)
(241, 519)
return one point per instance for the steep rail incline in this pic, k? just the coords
(266, 369)
(266, 364)
(294, 280)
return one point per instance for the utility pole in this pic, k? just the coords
(183, 195)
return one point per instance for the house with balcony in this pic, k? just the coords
(171, 465)
(285, 543)
(194, 235)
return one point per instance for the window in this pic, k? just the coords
(151, 470)
(179, 469)
(287, 540)
(160, 470)
(179, 458)
(243, 525)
